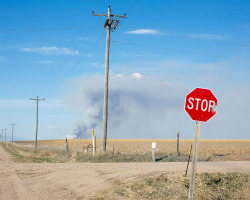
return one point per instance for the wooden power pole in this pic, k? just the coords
(5, 133)
(109, 24)
(37, 100)
(12, 131)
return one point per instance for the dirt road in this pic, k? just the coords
(83, 180)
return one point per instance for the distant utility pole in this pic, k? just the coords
(109, 24)
(2, 135)
(12, 131)
(5, 133)
(37, 100)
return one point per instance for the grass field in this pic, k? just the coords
(213, 150)
(165, 186)
(208, 187)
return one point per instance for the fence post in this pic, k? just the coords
(66, 146)
(188, 159)
(178, 135)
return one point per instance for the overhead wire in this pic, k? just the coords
(187, 52)
(47, 29)
(67, 58)
(132, 6)
(56, 73)
(72, 68)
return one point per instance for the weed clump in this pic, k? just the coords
(216, 186)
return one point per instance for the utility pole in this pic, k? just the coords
(12, 131)
(37, 100)
(5, 133)
(2, 135)
(108, 24)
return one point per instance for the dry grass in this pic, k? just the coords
(214, 150)
(208, 187)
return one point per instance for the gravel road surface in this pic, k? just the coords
(26, 181)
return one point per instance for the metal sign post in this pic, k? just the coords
(194, 161)
(200, 105)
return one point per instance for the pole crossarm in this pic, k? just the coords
(38, 99)
(123, 16)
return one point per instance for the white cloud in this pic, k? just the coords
(52, 50)
(207, 36)
(119, 75)
(203, 36)
(137, 75)
(144, 32)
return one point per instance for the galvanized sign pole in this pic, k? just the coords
(194, 161)
(201, 105)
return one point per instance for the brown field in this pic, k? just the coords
(24, 170)
(213, 150)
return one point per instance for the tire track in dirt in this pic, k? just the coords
(11, 186)
(83, 180)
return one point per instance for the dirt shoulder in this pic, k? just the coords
(86, 180)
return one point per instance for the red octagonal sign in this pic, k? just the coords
(201, 104)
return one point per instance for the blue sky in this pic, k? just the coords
(158, 54)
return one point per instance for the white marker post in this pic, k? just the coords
(153, 151)
(200, 105)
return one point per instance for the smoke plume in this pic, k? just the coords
(139, 107)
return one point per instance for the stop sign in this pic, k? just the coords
(200, 104)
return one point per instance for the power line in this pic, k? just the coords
(52, 76)
(187, 52)
(48, 29)
(132, 6)
(71, 69)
